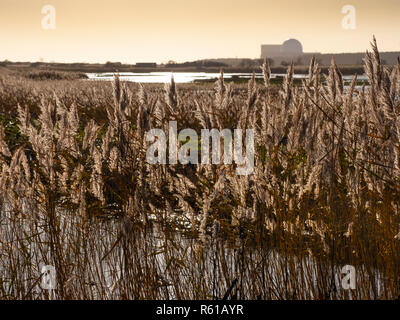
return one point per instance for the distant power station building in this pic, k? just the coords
(290, 48)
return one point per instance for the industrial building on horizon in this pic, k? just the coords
(292, 50)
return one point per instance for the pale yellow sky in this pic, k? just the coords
(183, 30)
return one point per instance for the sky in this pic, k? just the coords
(130, 31)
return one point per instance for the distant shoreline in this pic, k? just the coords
(98, 68)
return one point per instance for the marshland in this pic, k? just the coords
(77, 193)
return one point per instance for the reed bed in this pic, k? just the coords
(77, 193)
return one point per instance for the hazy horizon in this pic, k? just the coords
(158, 31)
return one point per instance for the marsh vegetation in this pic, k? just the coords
(77, 193)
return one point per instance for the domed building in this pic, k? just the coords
(292, 46)
(289, 48)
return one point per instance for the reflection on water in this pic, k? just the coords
(117, 260)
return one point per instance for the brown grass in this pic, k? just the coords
(77, 193)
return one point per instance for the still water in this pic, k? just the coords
(186, 77)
